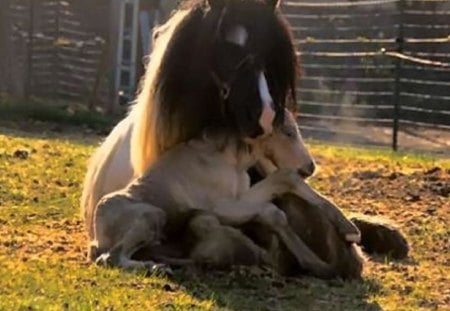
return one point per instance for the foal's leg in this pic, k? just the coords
(122, 227)
(254, 205)
(248, 205)
(270, 215)
(334, 214)
(223, 246)
(285, 181)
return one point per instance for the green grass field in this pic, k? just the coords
(42, 242)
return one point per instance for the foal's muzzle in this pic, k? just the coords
(308, 170)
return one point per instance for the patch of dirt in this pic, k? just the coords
(414, 198)
(415, 138)
(50, 241)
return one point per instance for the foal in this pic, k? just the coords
(209, 176)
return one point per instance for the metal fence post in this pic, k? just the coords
(29, 73)
(398, 68)
(56, 47)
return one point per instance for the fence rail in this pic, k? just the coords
(378, 62)
(367, 62)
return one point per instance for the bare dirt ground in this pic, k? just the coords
(411, 138)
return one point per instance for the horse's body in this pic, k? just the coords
(209, 176)
(230, 65)
(109, 169)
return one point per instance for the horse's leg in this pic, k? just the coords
(334, 214)
(122, 227)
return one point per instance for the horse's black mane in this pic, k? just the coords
(184, 85)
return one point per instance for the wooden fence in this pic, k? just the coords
(367, 62)
(60, 52)
(377, 62)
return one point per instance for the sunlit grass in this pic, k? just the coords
(42, 242)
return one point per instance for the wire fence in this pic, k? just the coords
(374, 67)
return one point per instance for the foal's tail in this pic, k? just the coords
(95, 184)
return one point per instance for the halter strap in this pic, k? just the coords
(225, 86)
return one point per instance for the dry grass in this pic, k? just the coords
(42, 255)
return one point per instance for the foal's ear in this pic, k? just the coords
(273, 3)
(217, 4)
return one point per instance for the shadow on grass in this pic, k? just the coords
(241, 289)
(39, 119)
(51, 138)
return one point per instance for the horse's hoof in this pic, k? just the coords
(104, 260)
(349, 231)
(159, 269)
(353, 237)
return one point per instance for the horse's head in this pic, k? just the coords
(253, 63)
(284, 148)
(219, 64)
(228, 63)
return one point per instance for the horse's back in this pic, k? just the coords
(109, 169)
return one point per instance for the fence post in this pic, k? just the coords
(398, 68)
(29, 72)
(56, 47)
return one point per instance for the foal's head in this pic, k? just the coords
(284, 148)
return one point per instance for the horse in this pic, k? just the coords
(206, 178)
(200, 75)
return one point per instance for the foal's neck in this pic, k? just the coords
(230, 148)
(240, 155)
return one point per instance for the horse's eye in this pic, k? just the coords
(225, 91)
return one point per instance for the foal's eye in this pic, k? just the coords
(289, 133)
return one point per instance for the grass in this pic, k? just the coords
(42, 242)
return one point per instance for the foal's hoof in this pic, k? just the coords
(353, 237)
(158, 269)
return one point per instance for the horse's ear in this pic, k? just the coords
(273, 3)
(217, 4)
